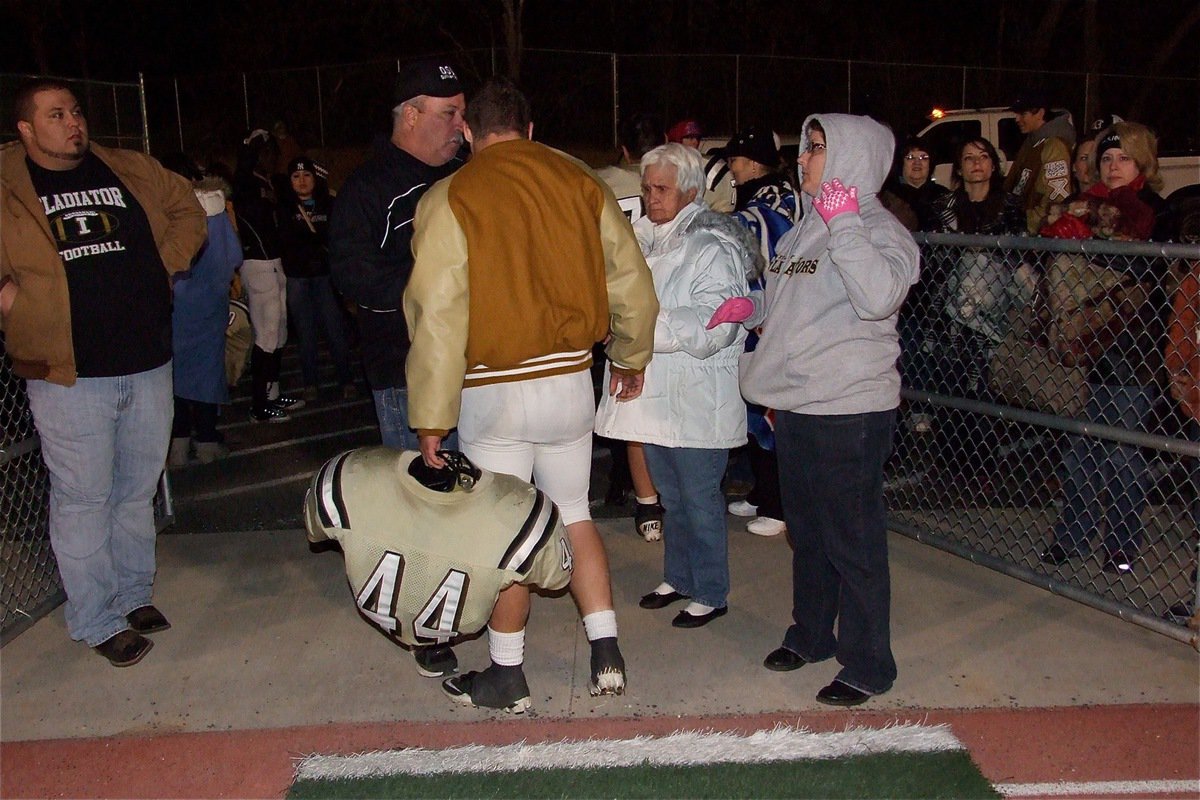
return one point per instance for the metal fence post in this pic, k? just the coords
(616, 94)
(145, 122)
(320, 108)
(178, 116)
(849, 87)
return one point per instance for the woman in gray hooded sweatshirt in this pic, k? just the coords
(826, 360)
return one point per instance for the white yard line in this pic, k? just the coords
(1099, 788)
(781, 744)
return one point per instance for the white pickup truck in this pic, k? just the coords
(1180, 173)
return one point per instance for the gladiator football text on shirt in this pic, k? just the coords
(87, 231)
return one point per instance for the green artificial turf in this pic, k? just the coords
(887, 775)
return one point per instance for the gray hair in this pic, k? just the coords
(416, 102)
(688, 164)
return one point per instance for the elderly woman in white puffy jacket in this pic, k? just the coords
(690, 411)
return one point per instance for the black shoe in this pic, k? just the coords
(783, 660)
(497, 687)
(268, 413)
(1118, 562)
(655, 600)
(685, 620)
(436, 661)
(648, 520)
(841, 694)
(287, 403)
(147, 619)
(608, 668)
(1054, 555)
(125, 649)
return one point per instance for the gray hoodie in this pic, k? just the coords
(829, 343)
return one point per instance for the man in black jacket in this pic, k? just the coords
(370, 239)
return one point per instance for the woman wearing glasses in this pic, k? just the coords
(912, 182)
(826, 361)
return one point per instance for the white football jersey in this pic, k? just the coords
(427, 566)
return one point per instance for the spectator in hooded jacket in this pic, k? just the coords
(312, 303)
(826, 361)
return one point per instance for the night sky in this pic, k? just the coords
(116, 40)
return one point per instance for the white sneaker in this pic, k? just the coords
(740, 508)
(766, 526)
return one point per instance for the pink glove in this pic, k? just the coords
(735, 309)
(836, 199)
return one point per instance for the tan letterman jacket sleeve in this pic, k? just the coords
(632, 304)
(436, 307)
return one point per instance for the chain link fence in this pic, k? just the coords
(115, 111)
(29, 583)
(579, 97)
(1038, 436)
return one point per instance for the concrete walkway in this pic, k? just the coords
(266, 636)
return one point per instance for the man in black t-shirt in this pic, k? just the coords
(91, 236)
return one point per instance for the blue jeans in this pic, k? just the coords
(695, 535)
(831, 480)
(313, 306)
(391, 409)
(1106, 480)
(104, 441)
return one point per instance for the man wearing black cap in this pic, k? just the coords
(1041, 173)
(370, 250)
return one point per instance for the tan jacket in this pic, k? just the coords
(38, 327)
(524, 261)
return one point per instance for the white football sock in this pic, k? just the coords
(506, 649)
(600, 625)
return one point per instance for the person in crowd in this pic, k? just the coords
(199, 317)
(287, 150)
(826, 360)
(690, 412)
(766, 206)
(1083, 159)
(913, 184)
(967, 303)
(370, 247)
(262, 276)
(1083, 167)
(979, 291)
(91, 236)
(719, 192)
(1110, 317)
(312, 303)
(1039, 176)
(686, 132)
(523, 260)
(640, 134)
